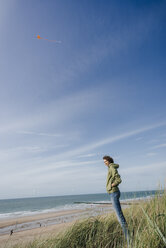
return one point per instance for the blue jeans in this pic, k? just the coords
(117, 207)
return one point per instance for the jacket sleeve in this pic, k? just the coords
(116, 179)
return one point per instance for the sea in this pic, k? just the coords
(14, 208)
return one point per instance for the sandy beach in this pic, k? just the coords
(45, 225)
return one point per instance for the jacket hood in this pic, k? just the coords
(114, 165)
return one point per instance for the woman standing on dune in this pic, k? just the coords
(113, 180)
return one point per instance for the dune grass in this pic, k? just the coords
(146, 222)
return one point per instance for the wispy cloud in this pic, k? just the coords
(49, 160)
(159, 146)
(150, 154)
(18, 152)
(56, 112)
(62, 166)
(87, 155)
(116, 138)
(40, 134)
(143, 177)
(152, 141)
(56, 180)
(139, 138)
(145, 170)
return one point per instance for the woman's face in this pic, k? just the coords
(106, 162)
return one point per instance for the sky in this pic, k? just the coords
(101, 91)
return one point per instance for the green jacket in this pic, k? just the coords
(113, 177)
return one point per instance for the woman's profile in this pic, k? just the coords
(113, 180)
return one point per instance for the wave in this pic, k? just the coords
(66, 207)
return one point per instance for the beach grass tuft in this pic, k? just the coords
(146, 222)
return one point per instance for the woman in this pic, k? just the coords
(113, 180)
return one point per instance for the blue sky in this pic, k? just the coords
(65, 105)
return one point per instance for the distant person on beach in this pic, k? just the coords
(113, 180)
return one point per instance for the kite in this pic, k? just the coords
(40, 38)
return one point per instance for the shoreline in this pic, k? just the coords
(27, 214)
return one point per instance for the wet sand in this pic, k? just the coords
(37, 217)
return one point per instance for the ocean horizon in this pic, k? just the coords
(19, 207)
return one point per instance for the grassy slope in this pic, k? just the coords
(146, 221)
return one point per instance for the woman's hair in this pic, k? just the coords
(108, 158)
